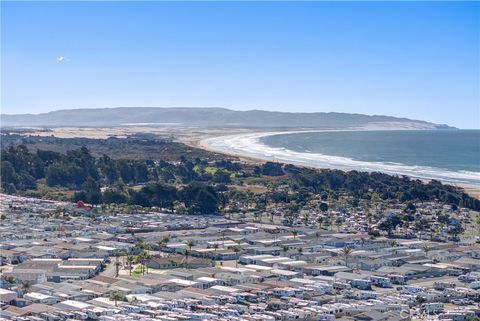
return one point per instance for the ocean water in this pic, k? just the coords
(456, 150)
(451, 156)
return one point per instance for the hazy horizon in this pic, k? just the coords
(411, 60)
(228, 108)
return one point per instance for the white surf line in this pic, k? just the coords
(249, 145)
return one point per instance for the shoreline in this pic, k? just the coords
(252, 158)
(197, 137)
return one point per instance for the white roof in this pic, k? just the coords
(294, 262)
(103, 300)
(183, 282)
(258, 257)
(267, 241)
(206, 279)
(143, 297)
(75, 304)
(181, 244)
(37, 295)
(5, 291)
(410, 242)
(106, 248)
(277, 259)
(236, 229)
(83, 239)
(303, 281)
(224, 288)
(258, 267)
(234, 269)
(78, 267)
(283, 272)
(437, 265)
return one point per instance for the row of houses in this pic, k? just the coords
(121, 268)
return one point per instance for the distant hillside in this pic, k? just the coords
(207, 117)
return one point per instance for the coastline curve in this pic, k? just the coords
(248, 145)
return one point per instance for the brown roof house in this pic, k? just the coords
(177, 261)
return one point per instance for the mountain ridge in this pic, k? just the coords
(207, 117)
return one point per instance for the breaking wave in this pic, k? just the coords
(250, 145)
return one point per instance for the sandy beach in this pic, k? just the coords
(218, 140)
(250, 151)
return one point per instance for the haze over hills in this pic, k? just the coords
(208, 117)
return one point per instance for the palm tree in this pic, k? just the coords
(139, 244)
(117, 268)
(118, 264)
(186, 253)
(346, 252)
(295, 233)
(144, 257)
(426, 248)
(328, 222)
(166, 240)
(320, 221)
(406, 226)
(223, 238)
(455, 232)
(147, 248)
(190, 244)
(147, 257)
(338, 224)
(306, 219)
(215, 247)
(236, 249)
(284, 248)
(300, 250)
(140, 260)
(117, 296)
(123, 254)
(130, 260)
(10, 281)
(26, 286)
(362, 241)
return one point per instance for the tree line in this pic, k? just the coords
(200, 186)
(162, 184)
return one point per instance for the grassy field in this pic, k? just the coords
(138, 271)
(472, 229)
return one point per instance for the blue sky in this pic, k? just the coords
(413, 59)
